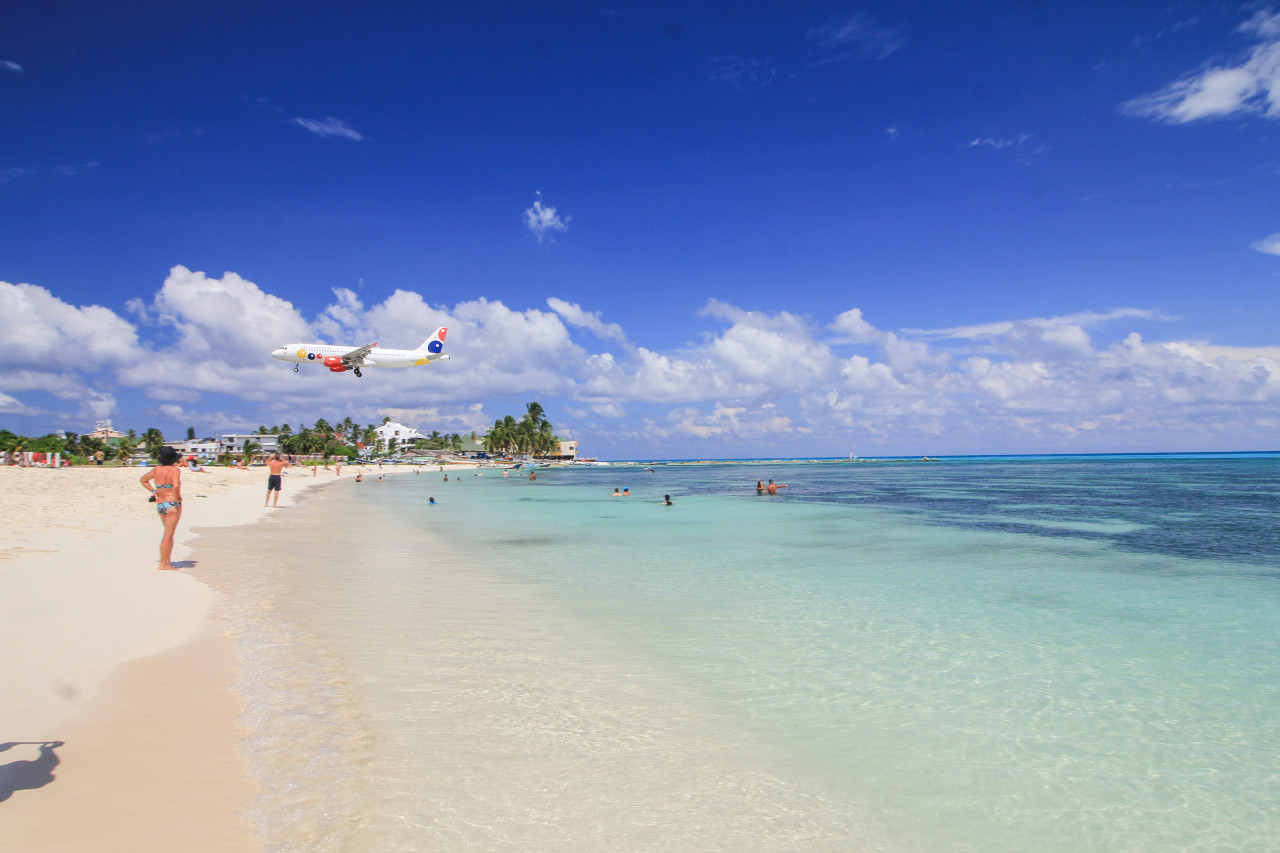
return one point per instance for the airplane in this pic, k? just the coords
(340, 358)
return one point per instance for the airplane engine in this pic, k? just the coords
(338, 369)
(333, 361)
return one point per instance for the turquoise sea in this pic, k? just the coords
(976, 654)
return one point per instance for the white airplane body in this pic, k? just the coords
(340, 358)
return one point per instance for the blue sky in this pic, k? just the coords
(688, 229)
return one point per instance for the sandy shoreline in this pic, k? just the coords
(121, 663)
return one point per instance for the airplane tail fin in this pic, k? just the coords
(434, 345)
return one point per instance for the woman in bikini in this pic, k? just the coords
(165, 483)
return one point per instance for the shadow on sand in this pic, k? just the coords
(26, 775)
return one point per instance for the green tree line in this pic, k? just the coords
(86, 446)
(532, 433)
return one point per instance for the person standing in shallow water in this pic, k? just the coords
(165, 484)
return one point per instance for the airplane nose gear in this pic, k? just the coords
(295, 368)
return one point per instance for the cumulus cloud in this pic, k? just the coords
(41, 331)
(330, 127)
(200, 341)
(590, 320)
(855, 36)
(738, 422)
(1251, 84)
(542, 220)
(12, 406)
(1268, 245)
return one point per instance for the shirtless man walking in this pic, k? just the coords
(276, 464)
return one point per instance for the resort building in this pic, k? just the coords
(205, 448)
(405, 436)
(568, 450)
(233, 442)
(103, 432)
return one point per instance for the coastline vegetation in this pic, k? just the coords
(532, 433)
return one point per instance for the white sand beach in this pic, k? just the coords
(120, 663)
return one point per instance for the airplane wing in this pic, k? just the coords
(355, 358)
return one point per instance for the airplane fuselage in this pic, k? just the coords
(377, 357)
(339, 358)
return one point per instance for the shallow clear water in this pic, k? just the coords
(991, 654)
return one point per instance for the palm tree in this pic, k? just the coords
(126, 448)
(250, 447)
(493, 439)
(546, 438)
(534, 413)
(524, 437)
(152, 440)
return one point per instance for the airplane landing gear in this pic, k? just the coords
(358, 373)
(295, 368)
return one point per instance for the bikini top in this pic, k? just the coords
(160, 486)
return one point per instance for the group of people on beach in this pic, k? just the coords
(164, 482)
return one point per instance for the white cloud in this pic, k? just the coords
(10, 65)
(541, 220)
(736, 422)
(590, 320)
(999, 143)
(1268, 245)
(42, 332)
(609, 410)
(330, 127)
(463, 420)
(1250, 85)
(13, 406)
(750, 376)
(855, 36)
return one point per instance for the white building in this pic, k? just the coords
(205, 448)
(404, 435)
(103, 432)
(233, 442)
